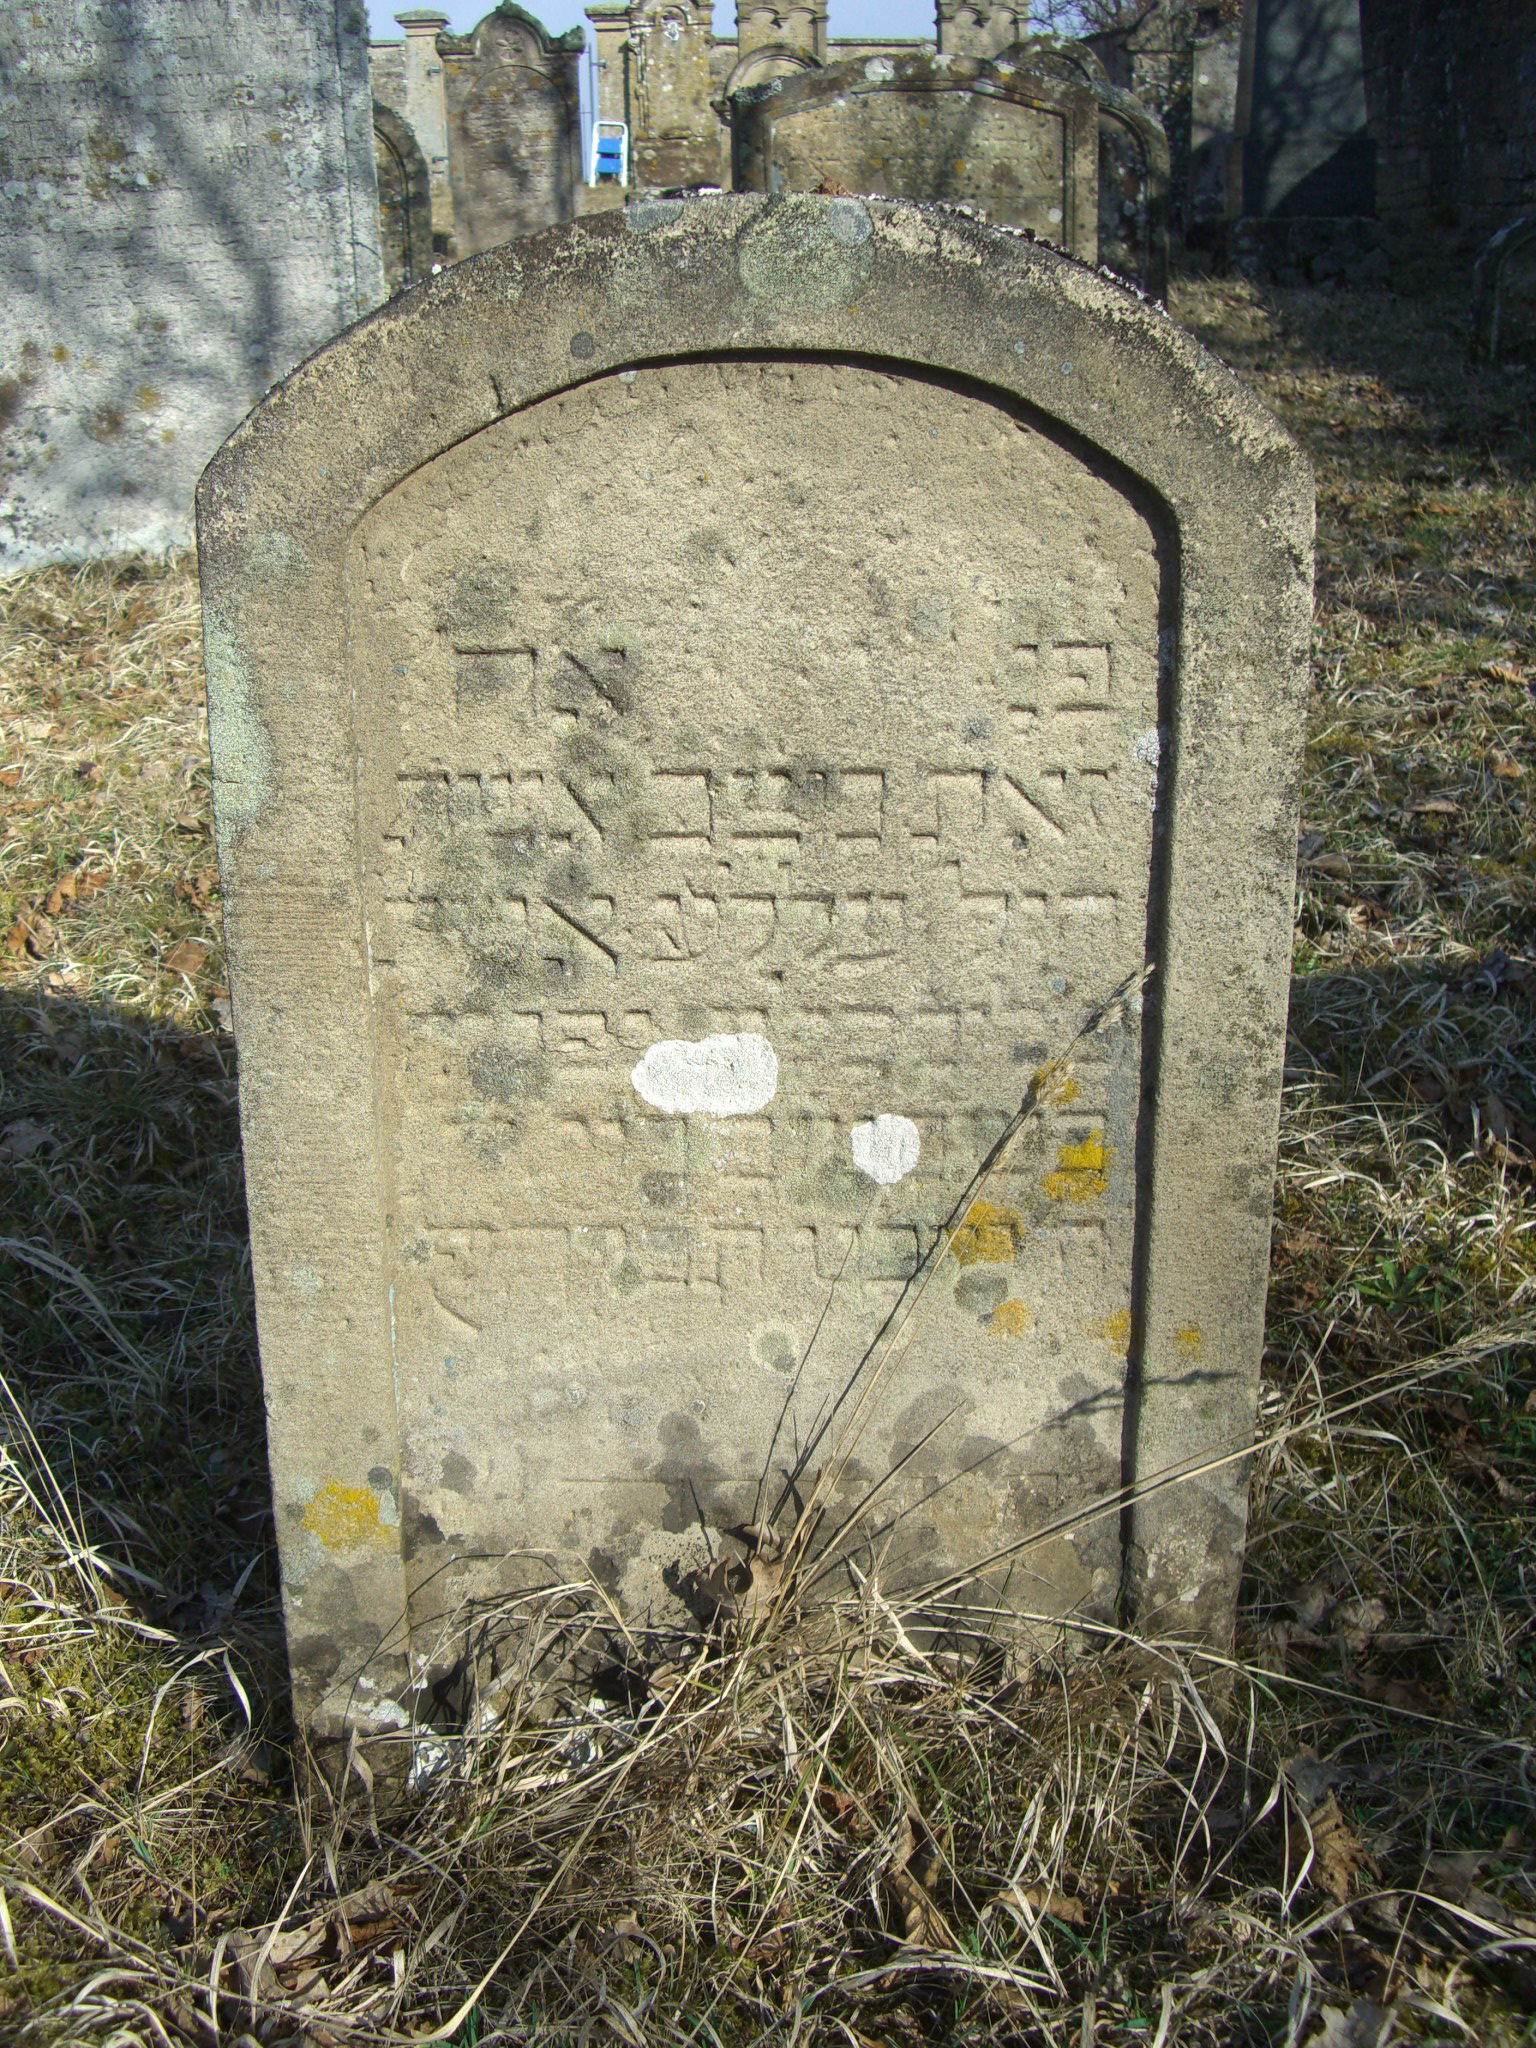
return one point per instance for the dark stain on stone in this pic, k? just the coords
(664, 1190)
(980, 1292)
(813, 789)
(479, 609)
(605, 1569)
(583, 346)
(458, 1473)
(419, 1528)
(689, 1475)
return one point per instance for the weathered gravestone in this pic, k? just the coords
(1020, 143)
(1133, 162)
(678, 793)
(1504, 294)
(514, 124)
(188, 208)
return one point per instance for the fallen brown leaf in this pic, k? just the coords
(1042, 1898)
(187, 956)
(909, 1883)
(20, 1140)
(1364, 2025)
(733, 1589)
(1399, 1692)
(30, 934)
(1337, 1853)
(62, 892)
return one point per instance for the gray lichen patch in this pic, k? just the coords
(243, 754)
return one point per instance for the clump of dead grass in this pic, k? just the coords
(815, 1826)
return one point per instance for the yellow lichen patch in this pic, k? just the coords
(1116, 1331)
(1056, 1085)
(988, 1235)
(1011, 1319)
(343, 1516)
(1081, 1172)
(1190, 1341)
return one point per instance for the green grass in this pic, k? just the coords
(810, 1831)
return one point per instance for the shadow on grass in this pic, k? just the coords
(125, 1299)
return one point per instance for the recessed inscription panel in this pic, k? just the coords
(722, 707)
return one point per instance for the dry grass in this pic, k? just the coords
(804, 1828)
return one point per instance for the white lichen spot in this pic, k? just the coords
(736, 1074)
(887, 1149)
(1147, 752)
(878, 70)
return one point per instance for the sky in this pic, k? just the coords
(847, 18)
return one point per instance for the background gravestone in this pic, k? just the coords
(734, 783)
(1133, 174)
(189, 207)
(514, 127)
(405, 201)
(1018, 143)
(1504, 294)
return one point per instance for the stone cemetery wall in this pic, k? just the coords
(741, 783)
(1451, 88)
(189, 208)
(514, 127)
(1018, 142)
(1307, 150)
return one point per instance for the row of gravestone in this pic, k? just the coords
(175, 246)
(1036, 137)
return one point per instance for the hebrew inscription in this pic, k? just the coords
(754, 704)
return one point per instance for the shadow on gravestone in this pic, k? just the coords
(816, 713)
(190, 208)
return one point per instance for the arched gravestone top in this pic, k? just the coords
(680, 779)
(405, 199)
(1133, 161)
(1021, 144)
(1498, 326)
